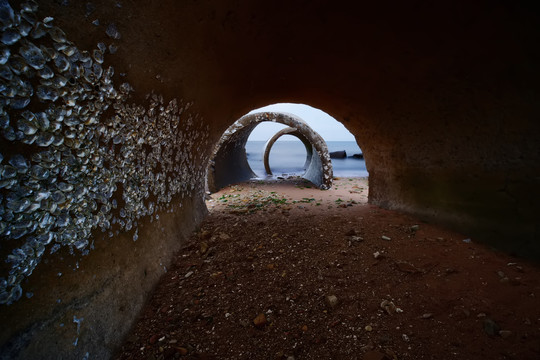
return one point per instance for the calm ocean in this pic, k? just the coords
(288, 157)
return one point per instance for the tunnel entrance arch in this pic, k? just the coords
(229, 163)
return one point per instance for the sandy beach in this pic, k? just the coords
(283, 270)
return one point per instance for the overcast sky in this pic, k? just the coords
(329, 128)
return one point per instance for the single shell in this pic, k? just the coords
(102, 47)
(5, 72)
(58, 197)
(18, 205)
(10, 36)
(71, 51)
(113, 32)
(98, 56)
(45, 238)
(57, 35)
(59, 81)
(25, 27)
(65, 187)
(46, 93)
(58, 140)
(4, 55)
(39, 172)
(63, 220)
(7, 15)
(42, 121)
(9, 134)
(19, 103)
(17, 64)
(44, 139)
(39, 31)
(50, 54)
(9, 172)
(19, 162)
(61, 63)
(33, 55)
(46, 72)
(7, 183)
(27, 127)
(98, 71)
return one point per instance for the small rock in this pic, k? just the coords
(505, 334)
(368, 328)
(427, 316)
(385, 238)
(357, 238)
(377, 255)
(467, 241)
(224, 236)
(405, 337)
(188, 274)
(204, 248)
(182, 350)
(388, 306)
(331, 300)
(260, 321)
(415, 227)
(153, 339)
(205, 234)
(406, 267)
(351, 232)
(491, 327)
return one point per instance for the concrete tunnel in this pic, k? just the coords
(286, 131)
(229, 164)
(107, 129)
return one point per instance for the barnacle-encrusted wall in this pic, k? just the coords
(441, 96)
(81, 163)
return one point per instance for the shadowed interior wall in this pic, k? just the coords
(442, 99)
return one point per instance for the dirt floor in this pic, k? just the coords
(282, 270)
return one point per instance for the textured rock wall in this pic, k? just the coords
(443, 100)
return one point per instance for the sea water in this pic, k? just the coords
(288, 158)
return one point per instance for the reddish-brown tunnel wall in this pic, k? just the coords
(442, 99)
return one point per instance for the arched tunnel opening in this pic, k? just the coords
(287, 152)
(254, 151)
(110, 113)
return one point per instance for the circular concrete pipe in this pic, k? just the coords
(287, 131)
(229, 163)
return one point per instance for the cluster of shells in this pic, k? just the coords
(76, 158)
